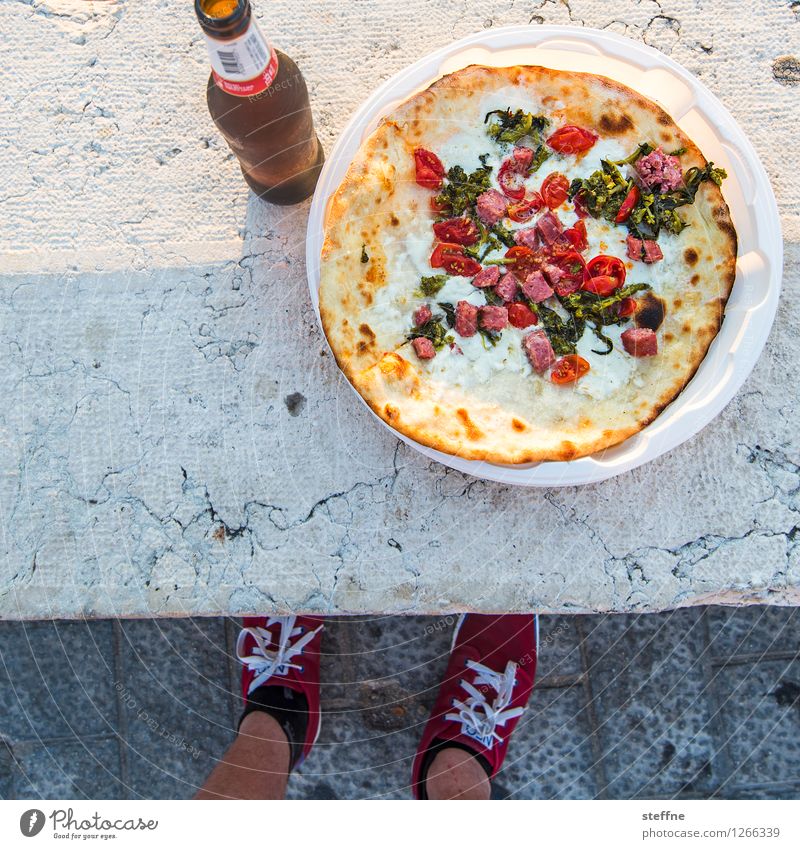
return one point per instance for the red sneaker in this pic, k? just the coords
(488, 682)
(283, 651)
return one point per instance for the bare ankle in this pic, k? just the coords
(456, 774)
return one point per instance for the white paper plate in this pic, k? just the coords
(754, 300)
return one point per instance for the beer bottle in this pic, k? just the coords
(259, 101)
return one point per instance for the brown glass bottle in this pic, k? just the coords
(258, 99)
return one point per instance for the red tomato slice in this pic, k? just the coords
(459, 230)
(511, 181)
(460, 265)
(569, 369)
(577, 236)
(520, 315)
(441, 249)
(571, 139)
(631, 199)
(554, 189)
(627, 306)
(524, 210)
(607, 266)
(524, 261)
(573, 266)
(430, 170)
(602, 285)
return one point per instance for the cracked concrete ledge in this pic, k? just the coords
(175, 439)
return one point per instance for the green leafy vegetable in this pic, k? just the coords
(433, 330)
(449, 313)
(509, 127)
(603, 192)
(679, 152)
(490, 336)
(429, 287)
(461, 190)
(563, 333)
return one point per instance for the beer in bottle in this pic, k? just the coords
(259, 101)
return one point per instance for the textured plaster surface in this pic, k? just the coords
(175, 438)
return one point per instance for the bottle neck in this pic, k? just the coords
(243, 63)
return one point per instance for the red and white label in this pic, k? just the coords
(245, 65)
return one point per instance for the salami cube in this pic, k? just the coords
(486, 277)
(539, 350)
(506, 287)
(422, 315)
(491, 206)
(535, 287)
(528, 238)
(423, 348)
(466, 318)
(493, 318)
(640, 342)
(645, 250)
(550, 228)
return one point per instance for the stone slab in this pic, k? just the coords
(176, 440)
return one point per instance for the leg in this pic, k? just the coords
(256, 766)
(455, 774)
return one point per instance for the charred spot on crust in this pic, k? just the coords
(568, 450)
(687, 328)
(664, 119)
(473, 432)
(391, 412)
(518, 425)
(366, 330)
(691, 256)
(668, 337)
(615, 124)
(677, 303)
(695, 279)
(651, 312)
(362, 347)
(394, 220)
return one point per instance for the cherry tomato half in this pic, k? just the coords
(607, 266)
(577, 236)
(438, 207)
(459, 230)
(554, 189)
(602, 285)
(573, 268)
(524, 210)
(569, 369)
(430, 170)
(520, 315)
(441, 249)
(631, 199)
(511, 180)
(524, 261)
(460, 265)
(571, 139)
(627, 306)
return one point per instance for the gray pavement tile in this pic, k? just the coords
(75, 769)
(176, 699)
(56, 679)
(753, 630)
(559, 647)
(760, 709)
(410, 651)
(651, 701)
(550, 754)
(6, 774)
(352, 760)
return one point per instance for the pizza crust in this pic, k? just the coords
(510, 417)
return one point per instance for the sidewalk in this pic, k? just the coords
(688, 704)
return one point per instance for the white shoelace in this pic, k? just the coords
(266, 662)
(478, 718)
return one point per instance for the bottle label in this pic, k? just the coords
(245, 65)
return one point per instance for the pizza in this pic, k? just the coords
(524, 264)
